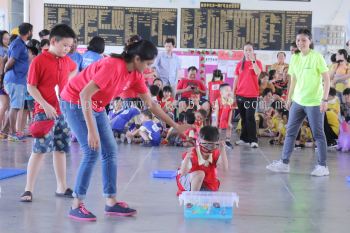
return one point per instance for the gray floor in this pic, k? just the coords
(269, 203)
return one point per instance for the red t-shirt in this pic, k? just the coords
(128, 94)
(45, 72)
(247, 85)
(111, 76)
(185, 82)
(224, 114)
(214, 90)
(163, 102)
(210, 180)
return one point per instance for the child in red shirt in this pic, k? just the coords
(214, 86)
(198, 168)
(224, 109)
(84, 101)
(50, 69)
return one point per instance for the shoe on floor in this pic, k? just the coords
(254, 145)
(332, 145)
(320, 171)
(278, 166)
(229, 145)
(81, 214)
(241, 142)
(119, 209)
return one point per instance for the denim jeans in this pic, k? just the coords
(247, 108)
(108, 150)
(297, 114)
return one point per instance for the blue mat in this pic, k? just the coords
(10, 172)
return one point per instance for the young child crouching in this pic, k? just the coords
(198, 168)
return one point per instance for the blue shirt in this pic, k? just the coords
(89, 57)
(152, 129)
(18, 73)
(77, 58)
(167, 68)
(119, 122)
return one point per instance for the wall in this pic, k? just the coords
(334, 12)
(4, 9)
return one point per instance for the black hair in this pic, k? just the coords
(279, 92)
(271, 74)
(294, 44)
(306, 32)
(281, 52)
(33, 43)
(285, 112)
(346, 91)
(243, 61)
(154, 89)
(203, 113)
(277, 104)
(145, 49)
(223, 85)
(2, 33)
(266, 91)
(157, 79)
(263, 74)
(33, 50)
(217, 73)
(167, 89)
(170, 40)
(334, 58)
(147, 113)
(189, 117)
(332, 91)
(97, 45)
(44, 42)
(25, 28)
(133, 39)
(13, 37)
(44, 32)
(61, 31)
(209, 133)
(192, 68)
(344, 53)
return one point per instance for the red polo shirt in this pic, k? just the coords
(45, 72)
(247, 85)
(185, 82)
(111, 76)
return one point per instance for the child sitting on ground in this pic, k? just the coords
(198, 168)
(149, 130)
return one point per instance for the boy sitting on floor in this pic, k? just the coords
(198, 168)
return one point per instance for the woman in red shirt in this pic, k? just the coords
(84, 99)
(246, 91)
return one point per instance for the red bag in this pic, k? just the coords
(39, 129)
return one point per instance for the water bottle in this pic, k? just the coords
(214, 119)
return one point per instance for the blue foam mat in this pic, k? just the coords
(10, 172)
(164, 174)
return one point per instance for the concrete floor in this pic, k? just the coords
(271, 203)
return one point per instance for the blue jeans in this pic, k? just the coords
(108, 150)
(297, 114)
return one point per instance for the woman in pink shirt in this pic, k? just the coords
(84, 100)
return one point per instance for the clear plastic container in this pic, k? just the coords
(212, 205)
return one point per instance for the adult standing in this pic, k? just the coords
(16, 69)
(4, 99)
(307, 97)
(84, 100)
(246, 92)
(168, 64)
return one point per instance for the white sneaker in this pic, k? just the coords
(122, 138)
(320, 171)
(254, 145)
(241, 142)
(278, 166)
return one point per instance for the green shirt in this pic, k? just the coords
(308, 71)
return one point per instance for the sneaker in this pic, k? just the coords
(119, 209)
(320, 171)
(254, 145)
(241, 142)
(81, 214)
(15, 137)
(332, 145)
(229, 145)
(298, 147)
(278, 166)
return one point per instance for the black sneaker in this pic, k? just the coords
(298, 147)
(229, 145)
(119, 209)
(332, 145)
